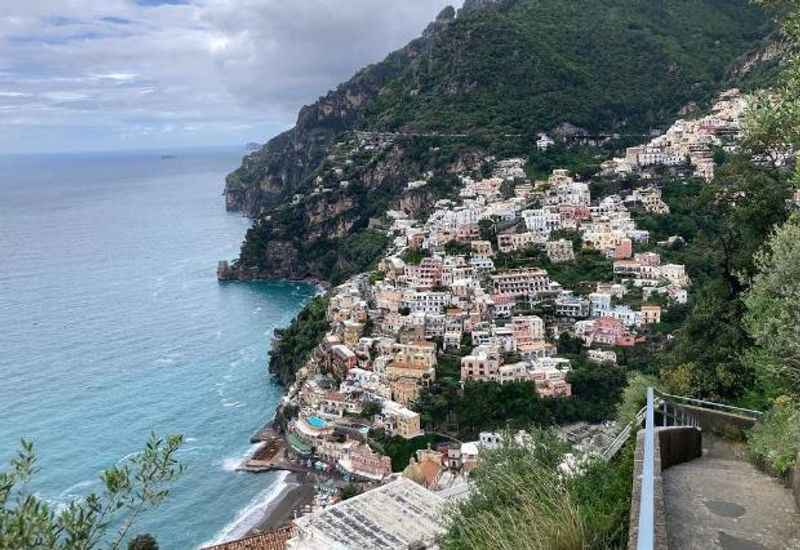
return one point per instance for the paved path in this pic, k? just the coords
(722, 502)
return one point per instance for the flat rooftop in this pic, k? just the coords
(389, 517)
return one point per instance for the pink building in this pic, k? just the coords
(427, 274)
(610, 332)
(623, 250)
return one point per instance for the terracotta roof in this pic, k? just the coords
(272, 540)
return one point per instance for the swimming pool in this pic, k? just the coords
(316, 422)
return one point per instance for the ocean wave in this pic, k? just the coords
(127, 457)
(228, 404)
(75, 491)
(230, 464)
(252, 514)
(187, 450)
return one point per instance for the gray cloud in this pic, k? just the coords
(85, 74)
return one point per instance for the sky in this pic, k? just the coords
(83, 75)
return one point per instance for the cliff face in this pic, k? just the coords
(272, 174)
(333, 229)
(499, 70)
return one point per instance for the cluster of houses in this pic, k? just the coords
(439, 292)
(689, 142)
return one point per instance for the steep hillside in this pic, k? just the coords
(487, 78)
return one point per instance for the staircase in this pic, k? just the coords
(722, 502)
(694, 490)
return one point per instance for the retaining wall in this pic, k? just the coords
(674, 445)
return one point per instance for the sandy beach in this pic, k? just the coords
(298, 492)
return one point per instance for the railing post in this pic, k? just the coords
(646, 532)
(664, 413)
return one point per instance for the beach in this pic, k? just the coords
(298, 492)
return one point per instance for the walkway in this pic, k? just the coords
(722, 502)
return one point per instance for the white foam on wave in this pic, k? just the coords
(228, 404)
(252, 514)
(78, 490)
(230, 464)
(127, 457)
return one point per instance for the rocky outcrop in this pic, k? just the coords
(285, 164)
(764, 58)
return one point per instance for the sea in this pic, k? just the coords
(113, 326)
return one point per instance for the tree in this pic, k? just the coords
(371, 408)
(733, 215)
(773, 308)
(488, 230)
(773, 123)
(143, 542)
(140, 484)
(349, 491)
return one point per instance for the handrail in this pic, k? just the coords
(624, 434)
(709, 403)
(646, 532)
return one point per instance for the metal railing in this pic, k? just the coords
(622, 437)
(662, 402)
(647, 501)
(700, 403)
(677, 416)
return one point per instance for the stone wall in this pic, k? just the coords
(727, 425)
(674, 445)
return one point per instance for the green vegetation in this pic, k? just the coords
(523, 502)
(490, 406)
(773, 313)
(298, 341)
(775, 442)
(588, 267)
(455, 248)
(143, 542)
(634, 397)
(773, 310)
(401, 450)
(584, 162)
(705, 359)
(349, 491)
(104, 520)
(536, 64)
(414, 256)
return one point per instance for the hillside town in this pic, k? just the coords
(479, 284)
(476, 280)
(438, 291)
(689, 141)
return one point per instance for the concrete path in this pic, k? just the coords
(722, 502)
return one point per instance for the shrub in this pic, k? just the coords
(634, 397)
(143, 542)
(775, 441)
(523, 501)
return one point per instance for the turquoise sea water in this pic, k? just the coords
(112, 324)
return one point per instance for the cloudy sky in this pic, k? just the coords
(80, 75)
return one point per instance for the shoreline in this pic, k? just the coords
(298, 492)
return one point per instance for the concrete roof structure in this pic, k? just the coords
(398, 515)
